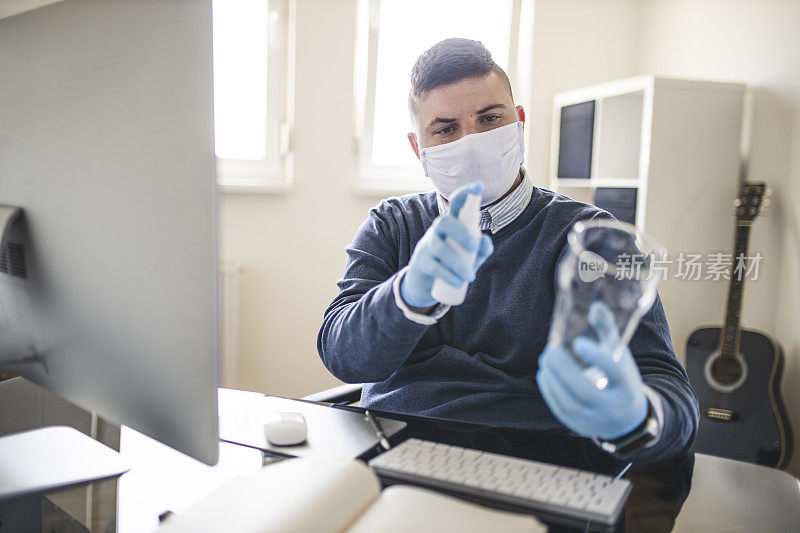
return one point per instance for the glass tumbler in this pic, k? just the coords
(611, 262)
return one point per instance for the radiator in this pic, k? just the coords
(229, 277)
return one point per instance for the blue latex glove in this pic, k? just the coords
(435, 258)
(574, 398)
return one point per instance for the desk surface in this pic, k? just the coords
(693, 493)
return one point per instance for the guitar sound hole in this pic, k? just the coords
(726, 371)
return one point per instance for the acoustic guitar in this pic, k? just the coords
(736, 372)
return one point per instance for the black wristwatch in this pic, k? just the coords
(639, 438)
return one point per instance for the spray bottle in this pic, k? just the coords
(469, 215)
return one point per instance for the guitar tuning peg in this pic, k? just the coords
(737, 202)
(768, 193)
(765, 202)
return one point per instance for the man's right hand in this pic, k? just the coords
(434, 257)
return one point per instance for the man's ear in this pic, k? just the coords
(412, 138)
(521, 114)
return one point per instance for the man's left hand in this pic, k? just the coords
(576, 401)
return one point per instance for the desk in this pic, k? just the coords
(695, 493)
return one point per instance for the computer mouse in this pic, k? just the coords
(284, 428)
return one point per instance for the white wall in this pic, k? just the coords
(291, 246)
(575, 43)
(10, 8)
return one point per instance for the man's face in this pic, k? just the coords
(472, 105)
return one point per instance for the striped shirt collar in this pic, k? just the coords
(497, 216)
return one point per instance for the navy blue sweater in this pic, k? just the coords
(478, 362)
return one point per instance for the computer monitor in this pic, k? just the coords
(108, 287)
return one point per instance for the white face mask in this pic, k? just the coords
(492, 157)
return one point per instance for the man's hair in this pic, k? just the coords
(451, 61)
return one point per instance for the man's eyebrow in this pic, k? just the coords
(443, 120)
(451, 120)
(489, 107)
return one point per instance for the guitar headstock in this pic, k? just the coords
(751, 200)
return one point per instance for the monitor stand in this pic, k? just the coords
(52, 457)
(49, 457)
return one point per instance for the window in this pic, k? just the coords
(251, 122)
(392, 34)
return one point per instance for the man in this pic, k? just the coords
(485, 361)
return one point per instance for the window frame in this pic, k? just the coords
(378, 180)
(273, 173)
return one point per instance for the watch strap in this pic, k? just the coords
(635, 440)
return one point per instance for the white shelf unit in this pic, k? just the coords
(641, 126)
(678, 143)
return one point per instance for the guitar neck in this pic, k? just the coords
(733, 312)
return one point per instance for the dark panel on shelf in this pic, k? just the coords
(619, 201)
(575, 141)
